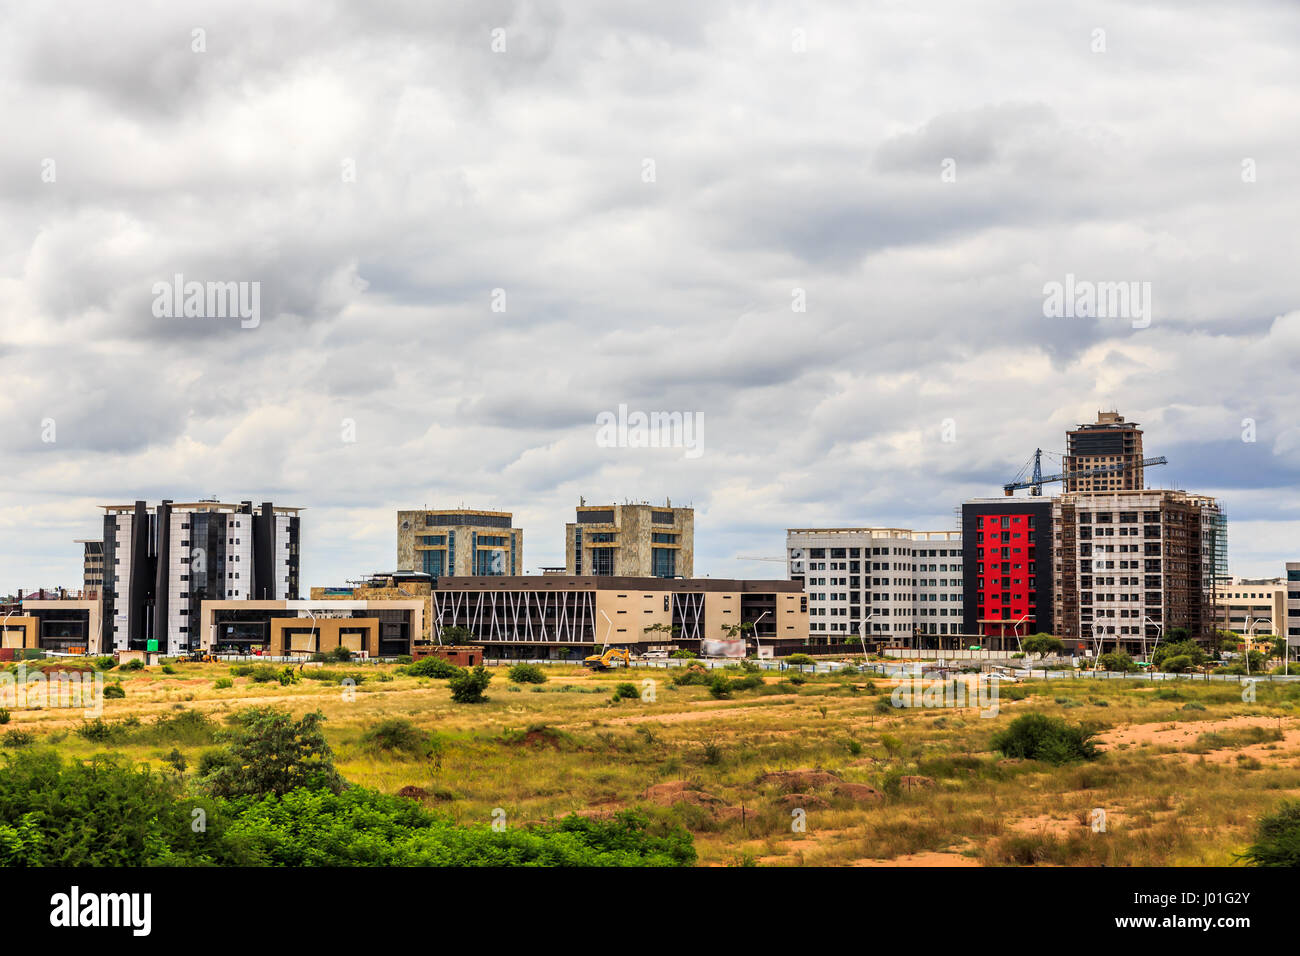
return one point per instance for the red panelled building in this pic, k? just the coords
(1007, 568)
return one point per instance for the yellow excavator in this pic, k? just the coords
(603, 662)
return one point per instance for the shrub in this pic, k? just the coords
(105, 663)
(468, 685)
(289, 676)
(1277, 838)
(692, 675)
(432, 667)
(15, 739)
(114, 691)
(626, 691)
(221, 683)
(522, 673)
(1160, 657)
(404, 658)
(1116, 661)
(396, 735)
(1178, 663)
(5, 716)
(720, 687)
(98, 730)
(133, 665)
(271, 753)
(1051, 739)
(684, 654)
(799, 659)
(168, 669)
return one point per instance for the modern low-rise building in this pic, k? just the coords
(371, 628)
(890, 585)
(1252, 605)
(559, 616)
(459, 542)
(65, 622)
(161, 562)
(631, 541)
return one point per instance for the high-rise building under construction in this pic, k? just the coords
(1109, 443)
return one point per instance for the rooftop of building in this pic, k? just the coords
(551, 582)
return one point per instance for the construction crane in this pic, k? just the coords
(1038, 479)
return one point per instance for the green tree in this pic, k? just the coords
(456, 635)
(1042, 644)
(271, 752)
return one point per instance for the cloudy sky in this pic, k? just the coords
(478, 225)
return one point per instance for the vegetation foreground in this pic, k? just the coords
(379, 764)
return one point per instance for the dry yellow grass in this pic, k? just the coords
(1178, 786)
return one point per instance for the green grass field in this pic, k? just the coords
(1185, 772)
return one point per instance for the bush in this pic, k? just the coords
(1178, 663)
(1160, 657)
(114, 691)
(133, 665)
(1051, 739)
(626, 691)
(690, 676)
(168, 669)
(15, 739)
(432, 667)
(1116, 661)
(221, 683)
(684, 654)
(468, 685)
(396, 735)
(289, 676)
(271, 753)
(105, 663)
(799, 659)
(527, 674)
(5, 716)
(1277, 838)
(720, 687)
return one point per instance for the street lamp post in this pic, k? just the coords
(757, 646)
(1016, 631)
(862, 633)
(1096, 659)
(1250, 634)
(1160, 629)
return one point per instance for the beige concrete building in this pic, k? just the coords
(68, 624)
(631, 540)
(1109, 442)
(288, 628)
(545, 615)
(388, 586)
(1255, 604)
(459, 542)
